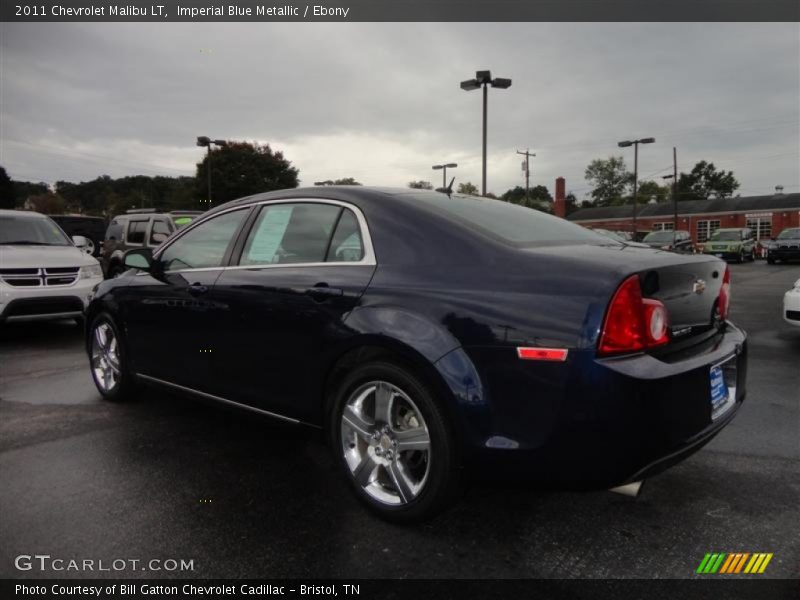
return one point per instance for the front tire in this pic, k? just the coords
(392, 440)
(108, 361)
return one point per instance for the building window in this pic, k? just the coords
(762, 226)
(705, 229)
(663, 226)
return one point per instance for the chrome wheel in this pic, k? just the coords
(105, 357)
(385, 442)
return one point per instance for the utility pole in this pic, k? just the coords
(674, 178)
(527, 154)
(675, 193)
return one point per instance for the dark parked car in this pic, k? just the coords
(676, 241)
(434, 338)
(92, 228)
(139, 228)
(785, 247)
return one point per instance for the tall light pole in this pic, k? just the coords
(635, 144)
(444, 171)
(484, 78)
(206, 141)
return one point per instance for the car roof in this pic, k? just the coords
(27, 213)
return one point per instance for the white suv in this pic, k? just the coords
(43, 273)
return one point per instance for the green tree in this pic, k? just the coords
(609, 179)
(6, 190)
(468, 188)
(704, 181)
(48, 203)
(420, 185)
(24, 189)
(650, 190)
(343, 181)
(240, 169)
(538, 196)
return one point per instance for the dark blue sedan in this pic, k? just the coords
(435, 338)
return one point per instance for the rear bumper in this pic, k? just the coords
(611, 421)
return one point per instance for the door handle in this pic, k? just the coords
(197, 288)
(322, 291)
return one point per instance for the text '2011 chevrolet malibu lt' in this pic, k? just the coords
(436, 338)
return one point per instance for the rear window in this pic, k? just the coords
(510, 223)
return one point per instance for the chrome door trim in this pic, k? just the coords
(207, 396)
(366, 238)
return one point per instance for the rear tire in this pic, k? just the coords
(393, 443)
(108, 361)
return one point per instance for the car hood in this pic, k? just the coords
(34, 257)
(726, 243)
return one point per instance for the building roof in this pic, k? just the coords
(689, 207)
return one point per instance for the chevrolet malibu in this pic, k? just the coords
(436, 339)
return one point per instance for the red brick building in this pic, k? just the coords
(766, 215)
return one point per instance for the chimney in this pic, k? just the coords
(560, 205)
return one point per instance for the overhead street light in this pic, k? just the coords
(484, 79)
(204, 140)
(635, 144)
(444, 171)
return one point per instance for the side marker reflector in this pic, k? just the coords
(551, 354)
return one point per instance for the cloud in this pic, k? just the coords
(381, 102)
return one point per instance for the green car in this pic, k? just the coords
(732, 244)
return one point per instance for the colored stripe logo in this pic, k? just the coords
(734, 562)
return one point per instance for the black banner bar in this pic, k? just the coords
(401, 10)
(710, 588)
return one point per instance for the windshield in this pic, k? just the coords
(510, 223)
(726, 236)
(31, 230)
(611, 234)
(182, 221)
(789, 234)
(659, 236)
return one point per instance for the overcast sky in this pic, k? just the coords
(382, 103)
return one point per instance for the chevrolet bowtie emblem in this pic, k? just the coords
(699, 286)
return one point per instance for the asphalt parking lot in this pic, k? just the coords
(165, 477)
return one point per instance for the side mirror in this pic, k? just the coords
(141, 258)
(159, 238)
(83, 244)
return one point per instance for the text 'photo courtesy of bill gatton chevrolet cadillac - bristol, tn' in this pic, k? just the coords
(435, 338)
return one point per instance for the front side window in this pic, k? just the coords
(205, 245)
(291, 234)
(136, 231)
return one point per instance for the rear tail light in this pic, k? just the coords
(724, 301)
(633, 323)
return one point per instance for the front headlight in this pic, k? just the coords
(91, 272)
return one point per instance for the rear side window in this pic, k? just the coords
(290, 234)
(159, 227)
(136, 231)
(346, 244)
(114, 231)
